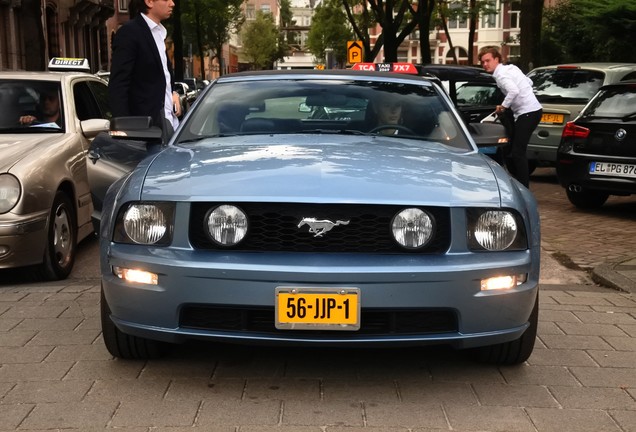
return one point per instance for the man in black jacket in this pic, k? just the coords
(141, 78)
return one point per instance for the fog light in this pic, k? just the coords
(502, 282)
(136, 276)
(4, 250)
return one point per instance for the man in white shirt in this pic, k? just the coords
(521, 101)
(141, 80)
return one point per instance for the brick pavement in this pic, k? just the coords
(55, 374)
(589, 238)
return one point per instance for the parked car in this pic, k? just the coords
(259, 224)
(563, 90)
(185, 99)
(474, 93)
(597, 154)
(45, 200)
(195, 85)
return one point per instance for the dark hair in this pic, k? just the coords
(493, 50)
(135, 7)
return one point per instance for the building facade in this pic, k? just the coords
(33, 31)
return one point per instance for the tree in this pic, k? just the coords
(260, 41)
(530, 33)
(422, 13)
(584, 30)
(208, 25)
(390, 15)
(329, 29)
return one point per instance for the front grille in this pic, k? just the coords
(373, 321)
(274, 227)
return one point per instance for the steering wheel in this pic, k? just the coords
(397, 127)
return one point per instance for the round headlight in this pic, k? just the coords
(145, 223)
(495, 230)
(227, 225)
(9, 192)
(412, 228)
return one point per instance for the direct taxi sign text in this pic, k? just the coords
(407, 68)
(68, 64)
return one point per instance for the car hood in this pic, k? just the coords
(310, 168)
(15, 147)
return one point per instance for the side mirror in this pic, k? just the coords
(488, 134)
(91, 127)
(135, 128)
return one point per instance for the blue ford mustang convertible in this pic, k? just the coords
(333, 208)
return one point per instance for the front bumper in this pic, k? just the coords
(22, 239)
(242, 281)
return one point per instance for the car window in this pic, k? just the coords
(86, 106)
(575, 86)
(100, 93)
(336, 106)
(614, 102)
(31, 106)
(478, 94)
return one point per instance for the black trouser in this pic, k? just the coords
(516, 158)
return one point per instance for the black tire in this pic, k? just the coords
(125, 346)
(513, 352)
(587, 199)
(61, 240)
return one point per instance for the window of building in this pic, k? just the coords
(515, 12)
(122, 5)
(265, 8)
(490, 20)
(514, 54)
(249, 12)
(51, 31)
(456, 21)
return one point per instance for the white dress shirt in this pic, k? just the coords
(517, 88)
(159, 34)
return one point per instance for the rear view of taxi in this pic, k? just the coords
(48, 120)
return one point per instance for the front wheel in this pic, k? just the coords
(61, 240)
(126, 346)
(516, 351)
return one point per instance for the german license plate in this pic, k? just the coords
(317, 308)
(548, 118)
(613, 169)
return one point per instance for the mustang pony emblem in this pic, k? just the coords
(319, 227)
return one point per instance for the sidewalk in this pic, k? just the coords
(619, 275)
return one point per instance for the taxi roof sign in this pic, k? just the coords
(407, 68)
(69, 64)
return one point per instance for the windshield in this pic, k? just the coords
(614, 102)
(573, 86)
(328, 106)
(31, 107)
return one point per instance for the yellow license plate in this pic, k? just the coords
(317, 308)
(548, 118)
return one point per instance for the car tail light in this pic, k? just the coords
(572, 130)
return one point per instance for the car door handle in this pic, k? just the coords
(93, 156)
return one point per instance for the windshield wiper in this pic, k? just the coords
(334, 131)
(200, 138)
(629, 116)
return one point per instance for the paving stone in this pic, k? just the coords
(625, 419)
(12, 415)
(24, 354)
(105, 370)
(582, 329)
(34, 371)
(16, 338)
(574, 342)
(599, 398)
(514, 395)
(158, 413)
(291, 388)
(239, 413)
(94, 351)
(614, 359)
(69, 415)
(35, 392)
(49, 324)
(198, 389)
(557, 420)
(605, 317)
(560, 357)
(410, 415)
(488, 418)
(324, 413)
(537, 375)
(426, 392)
(114, 390)
(622, 343)
(605, 377)
(367, 390)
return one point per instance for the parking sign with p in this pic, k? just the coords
(355, 52)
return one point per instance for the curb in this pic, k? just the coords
(612, 275)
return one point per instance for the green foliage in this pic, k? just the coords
(261, 41)
(587, 30)
(329, 29)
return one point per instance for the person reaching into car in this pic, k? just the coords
(48, 111)
(521, 102)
